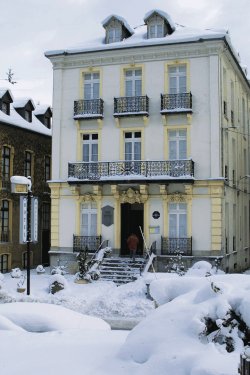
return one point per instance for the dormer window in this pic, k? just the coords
(156, 30)
(5, 100)
(159, 24)
(28, 115)
(6, 108)
(44, 114)
(114, 34)
(116, 28)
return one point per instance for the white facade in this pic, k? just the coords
(184, 211)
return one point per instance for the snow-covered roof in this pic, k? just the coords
(21, 102)
(14, 119)
(120, 19)
(164, 15)
(3, 91)
(41, 109)
(182, 34)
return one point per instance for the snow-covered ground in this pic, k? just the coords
(198, 328)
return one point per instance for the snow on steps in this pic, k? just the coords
(121, 270)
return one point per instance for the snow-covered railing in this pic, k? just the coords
(170, 246)
(131, 105)
(131, 169)
(176, 102)
(92, 108)
(88, 243)
(149, 258)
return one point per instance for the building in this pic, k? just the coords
(151, 131)
(25, 146)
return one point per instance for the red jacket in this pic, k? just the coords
(132, 242)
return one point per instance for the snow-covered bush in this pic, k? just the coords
(16, 273)
(176, 265)
(59, 270)
(40, 269)
(204, 268)
(57, 282)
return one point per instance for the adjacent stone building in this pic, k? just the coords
(151, 131)
(25, 149)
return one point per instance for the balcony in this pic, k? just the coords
(131, 170)
(89, 243)
(176, 103)
(131, 106)
(171, 246)
(88, 109)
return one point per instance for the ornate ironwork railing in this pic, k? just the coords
(92, 108)
(4, 236)
(176, 102)
(131, 106)
(131, 169)
(170, 246)
(89, 243)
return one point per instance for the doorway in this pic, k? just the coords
(131, 220)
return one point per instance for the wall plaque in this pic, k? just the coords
(107, 216)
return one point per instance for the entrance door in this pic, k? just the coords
(131, 220)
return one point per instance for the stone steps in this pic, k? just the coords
(121, 270)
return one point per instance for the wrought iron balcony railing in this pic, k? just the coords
(131, 106)
(89, 243)
(171, 246)
(4, 236)
(109, 171)
(88, 109)
(171, 103)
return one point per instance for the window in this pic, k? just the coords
(156, 30)
(6, 163)
(5, 221)
(6, 108)
(89, 219)
(46, 216)
(47, 122)
(133, 82)
(91, 86)
(28, 115)
(4, 260)
(177, 144)
(27, 164)
(177, 220)
(47, 168)
(114, 34)
(133, 146)
(177, 79)
(90, 147)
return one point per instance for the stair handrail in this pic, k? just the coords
(150, 255)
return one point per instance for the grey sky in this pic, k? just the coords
(31, 27)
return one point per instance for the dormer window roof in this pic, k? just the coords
(44, 114)
(24, 107)
(116, 28)
(5, 99)
(159, 24)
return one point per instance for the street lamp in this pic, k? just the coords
(21, 184)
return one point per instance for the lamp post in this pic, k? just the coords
(21, 184)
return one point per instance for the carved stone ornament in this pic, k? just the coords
(132, 196)
(88, 198)
(177, 197)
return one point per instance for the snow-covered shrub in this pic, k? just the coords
(16, 273)
(57, 282)
(176, 265)
(59, 270)
(40, 269)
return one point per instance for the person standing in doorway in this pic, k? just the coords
(132, 243)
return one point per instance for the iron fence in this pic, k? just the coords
(176, 102)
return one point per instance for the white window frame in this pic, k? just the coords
(175, 73)
(133, 140)
(92, 81)
(90, 142)
(179, 211)
(114, 34)
(88, 225)
(134, 78)
(154, 31)
(177, 138)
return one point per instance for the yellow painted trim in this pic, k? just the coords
(117, 224)
(122, 76)
(81, 82)
(176, 127)
(9, 259)
(175, 63)
(122, 141)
